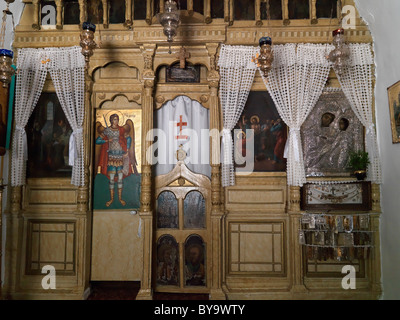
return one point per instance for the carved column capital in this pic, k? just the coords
(212, 49)
(294, 199)
(148, 74)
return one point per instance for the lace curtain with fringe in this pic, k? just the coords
(356, 81)
(29, 85)
(66, 67)
(295, 83)
(237, 75)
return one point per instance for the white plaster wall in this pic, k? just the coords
(383, 18)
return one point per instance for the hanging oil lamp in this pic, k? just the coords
(87, 41)
(6, 56)
(266, 57)
(169, 19)
(6, 69)
(340, 55)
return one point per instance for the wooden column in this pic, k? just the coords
(162, 6)
(190, 7)
(59, 5)
(313, 12)
(36, 14)
(105, 14)
(83, 192)
(375, 257)
(82, 11)
(258, 13)
(128, 14)
(226, 10)
(13, 232)
(217, 214)
(376, 197)
(296, 259)
(83, 214)
(149, 11)
(207, 11)
(231, 12)
(146, 197)
(285, 12)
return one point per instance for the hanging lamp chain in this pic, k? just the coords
(6, 12)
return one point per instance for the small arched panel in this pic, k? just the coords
(195, 261)
(167, 261)
(194, 211)
(167, 211)
(116, 71)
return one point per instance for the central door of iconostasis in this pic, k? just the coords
(182, 241)
(182, 236)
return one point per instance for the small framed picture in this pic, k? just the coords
(354, 196)
(190, 74)
(394, 107)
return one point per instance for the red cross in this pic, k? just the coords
(180, 125)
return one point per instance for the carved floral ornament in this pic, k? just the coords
(160, 99)
(204, 98)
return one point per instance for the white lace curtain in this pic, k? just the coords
(67, 70)
(66, 67)
(295, 83)
(237, 75)
(356, 82)
(29, 86)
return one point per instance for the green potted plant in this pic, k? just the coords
(358, 162)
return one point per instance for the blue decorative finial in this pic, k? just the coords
(7, 53)
(265, 40)
(89, 26)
